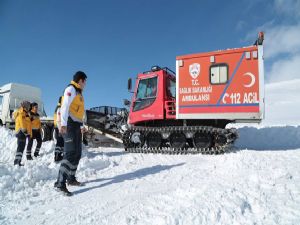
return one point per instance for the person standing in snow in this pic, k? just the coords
(36, 132)
(72, 113)
(22, 129)
(59, 147)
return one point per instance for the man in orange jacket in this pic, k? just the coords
(36, 132)
(22, 129)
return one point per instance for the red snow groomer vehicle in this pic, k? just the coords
(187, 112)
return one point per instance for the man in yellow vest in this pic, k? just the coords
(36, 132)
(72, 113)
(59, 146)
(22, 129)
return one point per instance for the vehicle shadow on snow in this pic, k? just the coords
(138, 174)
(111, 154)
(92, 154)
(269, 138)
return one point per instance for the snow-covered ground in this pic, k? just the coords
(257, 183)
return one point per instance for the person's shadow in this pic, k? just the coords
(128, 176)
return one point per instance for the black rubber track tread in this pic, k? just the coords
(230, 134)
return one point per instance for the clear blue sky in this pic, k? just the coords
(42, 43)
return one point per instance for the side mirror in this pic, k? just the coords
(129, 84)
(126, 102)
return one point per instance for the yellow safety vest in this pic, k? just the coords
(35, 121)
(22, 121)
(55, 120)
(77, 106)
(55, 113)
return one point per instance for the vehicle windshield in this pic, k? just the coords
(146, 93)
(147, 88)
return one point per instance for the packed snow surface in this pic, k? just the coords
(258, 182)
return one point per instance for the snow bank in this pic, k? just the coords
(8, 146)
(40, 173)
(241, 187)
(271, 138)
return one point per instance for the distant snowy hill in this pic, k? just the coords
(257, 183)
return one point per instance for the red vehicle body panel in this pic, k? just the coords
(240, 98)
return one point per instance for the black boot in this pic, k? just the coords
(36, 154)
(74, 183)
(58, 157)
(18, 163)
(29, 157)
(63, 189)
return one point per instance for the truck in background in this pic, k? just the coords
(11, 95)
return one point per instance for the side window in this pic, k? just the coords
(109, 111)
(101, 109)
(171, 89)
(218, 74)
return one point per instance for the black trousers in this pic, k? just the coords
(36, 134)
(59, 146)
(21, 146)
(72, 153)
